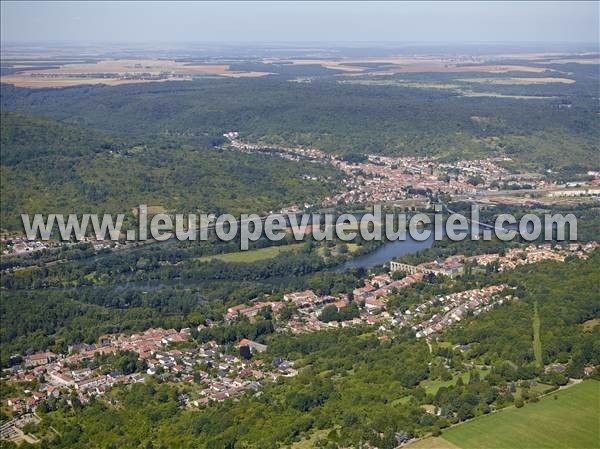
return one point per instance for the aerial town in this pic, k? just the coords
(219, 372)
(294, 225)
(89, 370)
(409, 182)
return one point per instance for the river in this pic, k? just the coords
(386, 252)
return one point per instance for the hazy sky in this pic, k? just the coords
(300, 21)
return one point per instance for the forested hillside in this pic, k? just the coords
(24, 137)
(556, 129)
(49, 167)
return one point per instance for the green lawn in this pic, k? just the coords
(590, 324)
(432, 386)
(253, 255)
(571, 421)
(539, 388)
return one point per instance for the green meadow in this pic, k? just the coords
(253, 255)
(569, 418)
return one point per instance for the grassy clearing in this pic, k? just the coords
(591, 324)
(432, 443)
(253, 255)
(570, 421)
(432, 386)
(539, 388)
(311, 441)
(537, 342)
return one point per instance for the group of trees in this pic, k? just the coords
(332, 313)
(567, 297)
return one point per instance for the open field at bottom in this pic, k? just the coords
(569, 418)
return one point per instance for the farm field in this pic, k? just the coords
(253, 255)
(117, 71)
(569, 421)
(120, 71)
(458, 88)
(518, 81)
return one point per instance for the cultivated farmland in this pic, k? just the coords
(569, 418)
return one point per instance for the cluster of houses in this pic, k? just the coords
(220, 375)
(308, 318)
(216, 373)
(309, 301)
(252, 310)
(12, 430)
(385, 179)
(381, 179)
(371, 297)
(310, 322)
(57, 378)
(429, 318)
(309, 306)
(378, 287)
(77, 371)
(437, 314)
(292, 153)
(20, 245)
(454, 265)
(534, 254)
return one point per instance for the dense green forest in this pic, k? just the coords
(390, 118)
(48, 167)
